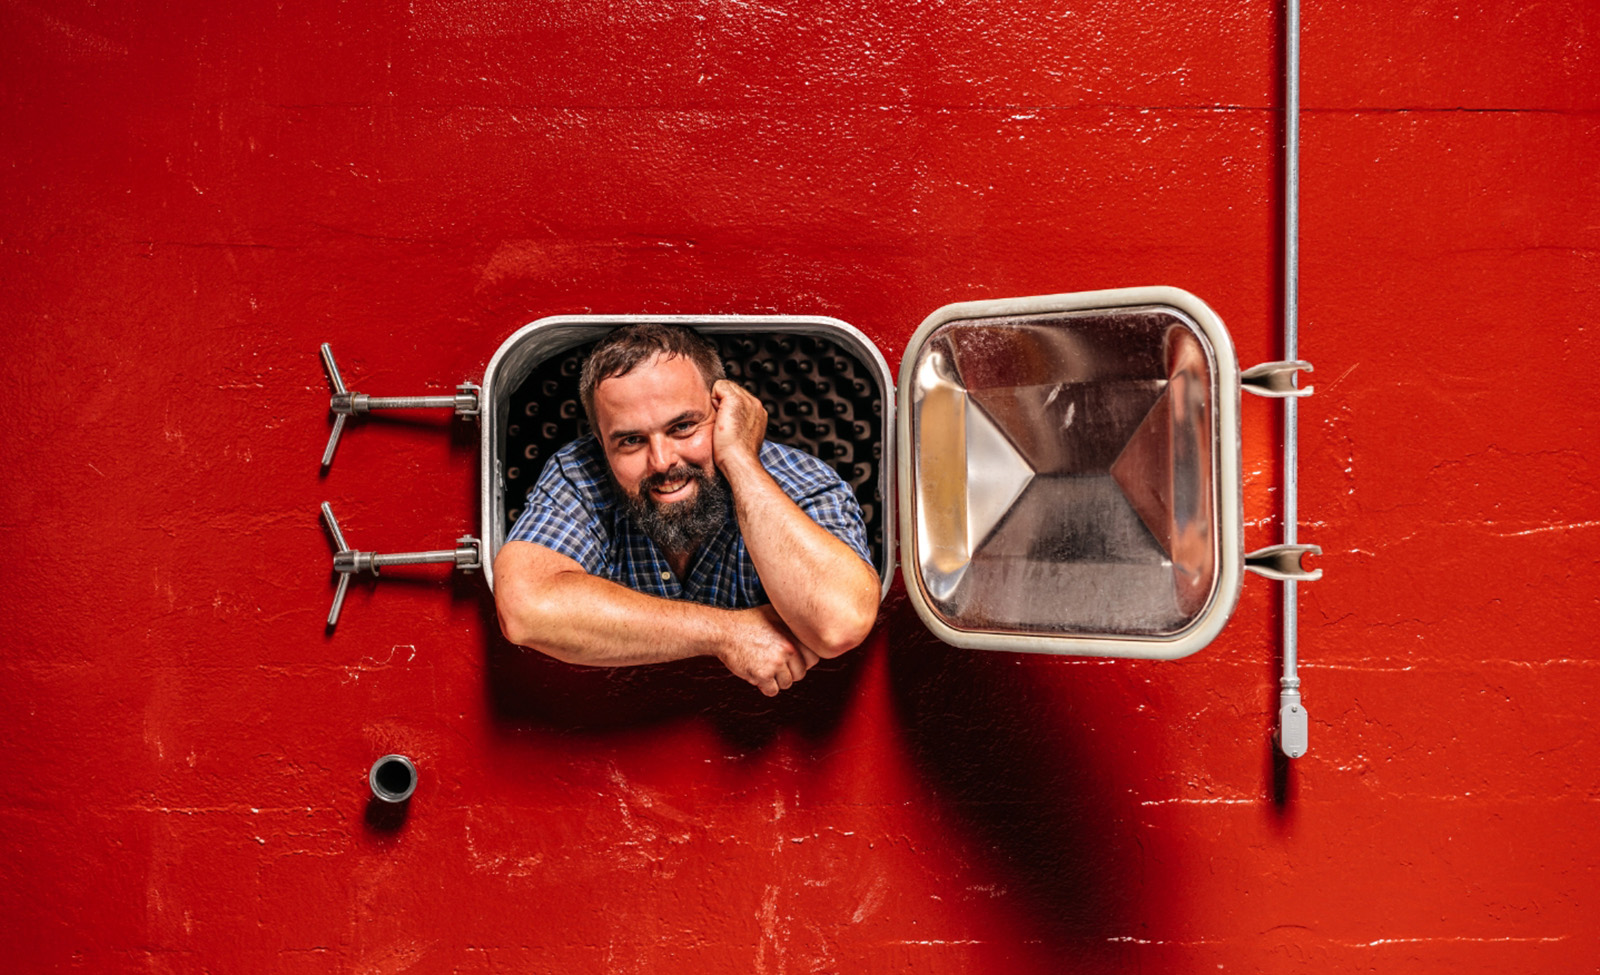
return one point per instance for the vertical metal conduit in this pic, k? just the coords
(1292, 718)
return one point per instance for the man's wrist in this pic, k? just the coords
(723, 636)
(738, 466)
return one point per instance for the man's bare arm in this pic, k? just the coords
(823, 590)
(547, 601)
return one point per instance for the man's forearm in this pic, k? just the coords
(576, 617)
(548, 602)
(817, 583)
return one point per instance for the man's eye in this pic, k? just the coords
(630, 442)
(685, 428)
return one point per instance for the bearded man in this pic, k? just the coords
(674, 530)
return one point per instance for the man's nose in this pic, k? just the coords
(662, 455)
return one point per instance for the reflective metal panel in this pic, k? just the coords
(1063, 477)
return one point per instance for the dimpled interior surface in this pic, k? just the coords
(819, 397)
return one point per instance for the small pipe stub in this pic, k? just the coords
(393, 778)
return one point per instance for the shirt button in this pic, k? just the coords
(665, 576)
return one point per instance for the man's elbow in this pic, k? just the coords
(847, 630)
(515, 624)
(516, 630)
(522, 621)
(528, 597)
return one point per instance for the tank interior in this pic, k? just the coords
(820, 397)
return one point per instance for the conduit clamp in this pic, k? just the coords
(345, 403)
(347, 561)
(1282, 562)
(1270, 379)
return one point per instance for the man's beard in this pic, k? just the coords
(680, 526)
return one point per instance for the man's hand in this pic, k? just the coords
(762, 649)
(741, 425)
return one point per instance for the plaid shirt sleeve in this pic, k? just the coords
(820, 493)
(563, 512)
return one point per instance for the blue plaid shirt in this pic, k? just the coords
(574, 510)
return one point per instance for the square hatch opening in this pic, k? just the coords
(826, 389)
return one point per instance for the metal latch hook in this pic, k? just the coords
(344, 403)
(347, 561)
(1282, 562)
(1276, 379)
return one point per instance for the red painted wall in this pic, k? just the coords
(195, 196)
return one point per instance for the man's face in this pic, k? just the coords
(655, 424)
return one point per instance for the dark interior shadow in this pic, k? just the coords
(1013, 764)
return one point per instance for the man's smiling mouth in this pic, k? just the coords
(671, 489)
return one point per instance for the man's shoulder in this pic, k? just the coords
(585, 450)
(565, 509)
(793, 468)
(821, 493)
(582, 465)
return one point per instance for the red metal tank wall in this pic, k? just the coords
(195, 196)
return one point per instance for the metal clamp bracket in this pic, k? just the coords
(466, 556)
(1276, 379)
(345, 403)
(1282, 562)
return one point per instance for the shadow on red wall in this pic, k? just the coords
(1013, 764)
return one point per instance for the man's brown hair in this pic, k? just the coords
(618, 353)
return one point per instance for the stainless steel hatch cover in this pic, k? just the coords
(1069, 473)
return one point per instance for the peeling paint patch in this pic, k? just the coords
(870, 901)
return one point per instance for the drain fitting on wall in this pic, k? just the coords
(393, 778)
